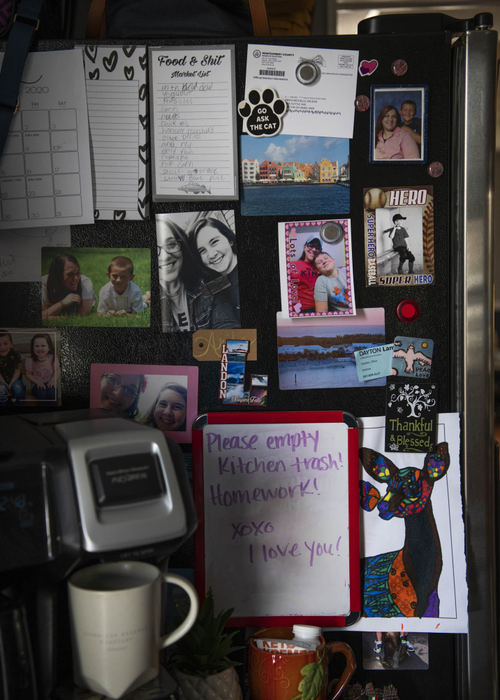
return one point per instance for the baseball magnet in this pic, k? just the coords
(399, 235)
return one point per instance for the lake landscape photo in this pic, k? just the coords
(319, 353)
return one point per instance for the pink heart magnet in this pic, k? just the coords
(368, 67)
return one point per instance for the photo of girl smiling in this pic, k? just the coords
(197, 272)
(214, 245)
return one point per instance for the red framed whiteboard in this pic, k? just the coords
(276, 495)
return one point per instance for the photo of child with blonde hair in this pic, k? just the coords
(41, 369)
(120, 295)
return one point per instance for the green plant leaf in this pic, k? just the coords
(312, 683)
(207, 647)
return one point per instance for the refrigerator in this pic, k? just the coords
(451, 64)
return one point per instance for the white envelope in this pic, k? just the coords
(319, 86)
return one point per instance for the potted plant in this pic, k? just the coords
(201, 660)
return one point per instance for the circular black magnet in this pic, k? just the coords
(408, 310)
(307, 72)
(331, 232)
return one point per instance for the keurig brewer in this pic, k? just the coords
(79, 488)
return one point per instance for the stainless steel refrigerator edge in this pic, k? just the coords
(472, 216)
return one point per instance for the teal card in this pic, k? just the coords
(374, 362)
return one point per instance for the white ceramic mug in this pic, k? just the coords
(115, 614)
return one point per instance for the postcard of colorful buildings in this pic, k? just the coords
(306, 174)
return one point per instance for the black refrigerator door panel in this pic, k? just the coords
(430, 63)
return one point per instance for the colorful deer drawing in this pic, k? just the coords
(404, 583)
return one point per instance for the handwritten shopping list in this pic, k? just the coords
(194, 151)
(276, 518)
(45, 175)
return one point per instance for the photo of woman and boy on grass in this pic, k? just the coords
(96, 286)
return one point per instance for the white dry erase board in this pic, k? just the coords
(277, 501)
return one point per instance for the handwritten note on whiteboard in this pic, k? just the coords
(193, 123)
(276, 518)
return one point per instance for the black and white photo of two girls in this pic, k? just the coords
(198, 270)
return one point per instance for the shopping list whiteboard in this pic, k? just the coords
(276, 496)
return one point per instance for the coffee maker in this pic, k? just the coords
(76, 487)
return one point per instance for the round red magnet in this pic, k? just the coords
(362, 103)
(399, 67)
(408, 310)
(435, 169)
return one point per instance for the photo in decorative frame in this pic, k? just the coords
(398, 124)
(161, 396)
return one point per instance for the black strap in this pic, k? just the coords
(21, 33)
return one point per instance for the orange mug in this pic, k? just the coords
(277, 676)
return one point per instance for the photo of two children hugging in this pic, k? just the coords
(29, 367)
(96, 286)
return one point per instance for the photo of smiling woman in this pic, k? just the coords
(398, 123)
(193, 296)
(164, 397)
(392, 142)
(65, 290)
(120, 393)
(214, 245)
(168, 411)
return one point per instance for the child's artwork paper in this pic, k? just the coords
(445, 608)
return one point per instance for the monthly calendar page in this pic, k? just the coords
(45, 175)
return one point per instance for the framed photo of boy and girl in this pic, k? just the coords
(398, 124)
(316, 268)
(30, 369)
